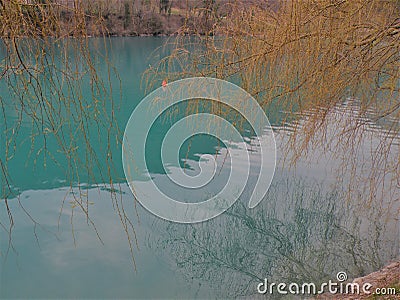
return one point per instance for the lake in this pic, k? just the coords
(309, 227)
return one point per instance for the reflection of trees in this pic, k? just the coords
(302, 233)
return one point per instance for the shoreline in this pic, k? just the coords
(386, 277)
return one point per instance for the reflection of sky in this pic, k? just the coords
(56, 268)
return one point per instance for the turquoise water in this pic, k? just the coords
(306, 229)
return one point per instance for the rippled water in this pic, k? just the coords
(308, 228)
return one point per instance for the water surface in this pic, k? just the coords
(307, 229)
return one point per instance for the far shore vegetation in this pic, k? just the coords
(115, 17)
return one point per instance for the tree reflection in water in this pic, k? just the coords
(302, 233)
